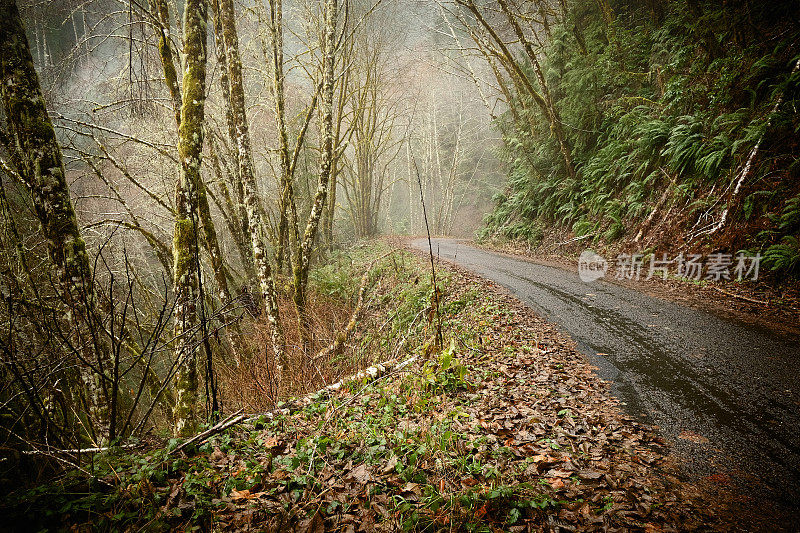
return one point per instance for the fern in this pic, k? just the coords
(647, 111)
(790, 217)
(785, 256)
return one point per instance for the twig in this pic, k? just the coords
(439, 341)
(745, 298)
(232, 420)
(338, 344)
(97, 449)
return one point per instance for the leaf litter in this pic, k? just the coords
(507, 428)
(528, 439)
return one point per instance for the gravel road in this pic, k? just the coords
(725, 395)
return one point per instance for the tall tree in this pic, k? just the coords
(302, 260)
(244, 153)
(287, 235)
(497, 47)
(184, 247)
(40, 164)
(550, 107)
(209, 232)
(375, 110)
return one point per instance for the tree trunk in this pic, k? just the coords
(550, 108)
(247, 175)
(209, 233)
(286, 206)
(161, 12)
(246, 251)
(303, 260)
(42, 168)
(184, 247)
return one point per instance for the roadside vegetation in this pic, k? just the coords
(187, 196)
(679, 125)
(504, 427)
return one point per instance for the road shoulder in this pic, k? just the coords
(770, 305)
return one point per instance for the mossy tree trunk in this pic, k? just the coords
(41, 166)
(209, 233)
(239, 209)
(247, 175)
(160, 10)
(287, 206)
(549, 106)
(302, 261)
(184, 247)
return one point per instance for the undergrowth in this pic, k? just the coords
(491, 431)
(289, 458)
(648, 111)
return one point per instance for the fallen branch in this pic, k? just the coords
(713, 228)
(338, 344)
(232, 420)
(80, 450)
(649, 220)
(582, 237)
(370, 374)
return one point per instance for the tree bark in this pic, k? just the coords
(286, 206)
(209, 232)
(246, 252)
(42, 168)
(247, 175)
(184, 247)
(161, 11)
(550, 108)
(303, 256)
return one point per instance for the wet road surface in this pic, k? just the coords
(725, 395)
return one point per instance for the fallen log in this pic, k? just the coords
(369, 374)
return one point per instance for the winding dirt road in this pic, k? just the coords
(725, 395)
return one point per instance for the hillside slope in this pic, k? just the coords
(682, 121)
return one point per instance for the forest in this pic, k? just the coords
(239, 284)
(666, 125)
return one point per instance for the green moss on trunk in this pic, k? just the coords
(190, 148)
(39, 156)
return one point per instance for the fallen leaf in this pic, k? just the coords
(360, 474)
(241, 495)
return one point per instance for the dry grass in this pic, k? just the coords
(253, 385)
